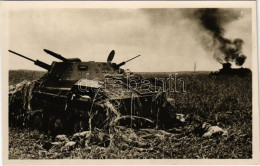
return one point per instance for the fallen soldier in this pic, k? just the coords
(206, 130)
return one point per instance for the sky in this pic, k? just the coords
(165, 38)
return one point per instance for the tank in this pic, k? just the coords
(227, 70)
(74, 96)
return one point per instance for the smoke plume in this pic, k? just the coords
(212, 22)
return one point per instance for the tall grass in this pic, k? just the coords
(223, 101)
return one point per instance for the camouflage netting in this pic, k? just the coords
(116, 109)
(20, 96)
(106, 107)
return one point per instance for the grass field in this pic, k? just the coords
(16, 76)
(222, 101)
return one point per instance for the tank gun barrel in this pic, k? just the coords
(132, 58)
(58, 56)
(21, 55)
(123, 63)
(36, 62)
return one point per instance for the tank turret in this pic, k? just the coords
(226, 66)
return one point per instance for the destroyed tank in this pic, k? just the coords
(227, 70)
(74, 96)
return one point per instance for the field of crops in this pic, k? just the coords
(223, 101)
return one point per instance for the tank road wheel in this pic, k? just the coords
(56, 127)
(37, 121)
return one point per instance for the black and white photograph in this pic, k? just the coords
(122, 82)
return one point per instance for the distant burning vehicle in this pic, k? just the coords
(212, 23)
(227, 70)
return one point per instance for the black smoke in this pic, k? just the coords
(213, 21)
